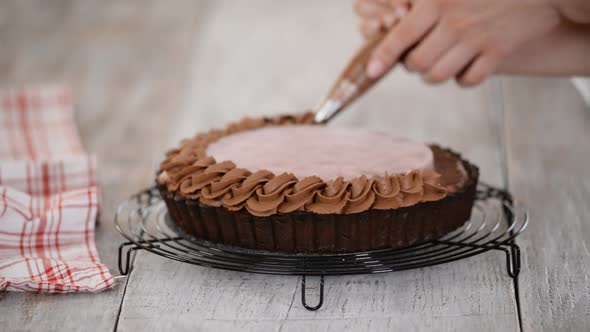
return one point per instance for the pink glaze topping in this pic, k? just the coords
(327, 152)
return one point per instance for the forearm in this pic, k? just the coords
(563, 51)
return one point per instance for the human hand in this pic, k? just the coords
(444, 39)
(562, 51)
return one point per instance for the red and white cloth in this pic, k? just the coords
(49, 197)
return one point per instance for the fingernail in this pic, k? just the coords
(401, 11)
(373, 26)
(388, 20)
(428, 79)
(375, 68)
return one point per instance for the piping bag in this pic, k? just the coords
(350, 84)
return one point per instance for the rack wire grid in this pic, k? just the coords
(496, 221)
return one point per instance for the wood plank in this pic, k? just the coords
(164, 293)
(411, 323)
(126, 62)
(548, 135)
(263, 57)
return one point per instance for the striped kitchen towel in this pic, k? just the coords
(49, 197)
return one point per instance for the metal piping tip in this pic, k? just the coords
(327, 110)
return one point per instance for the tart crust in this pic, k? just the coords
(310, 232)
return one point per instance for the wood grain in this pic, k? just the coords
(548, 136)
(145, 74)
(126, 62)
(283, 60)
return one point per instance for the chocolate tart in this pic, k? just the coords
(222, 203)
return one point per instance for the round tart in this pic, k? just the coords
(285, 184)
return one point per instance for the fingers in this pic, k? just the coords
(379, 15)
(439, 53)
(371, 9)
(430, 49)
(409, 30)
(375, 15)
(397, 10)
(451, 63)
(369, 28)
(481, 68)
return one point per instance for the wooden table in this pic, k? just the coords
(146, 73)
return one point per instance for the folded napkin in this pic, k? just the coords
(49, 198)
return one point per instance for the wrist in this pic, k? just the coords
(561, 52)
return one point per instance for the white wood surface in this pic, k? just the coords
(126, 62)
(147, 73)
(548, 148)
(285, 61)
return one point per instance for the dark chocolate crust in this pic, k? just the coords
(304, 231)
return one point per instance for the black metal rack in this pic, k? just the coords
(495, 222)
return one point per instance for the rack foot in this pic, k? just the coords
(303, 291)
(512, 259)
(125, 265)
(131, 247)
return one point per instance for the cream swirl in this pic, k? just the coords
(188, 171)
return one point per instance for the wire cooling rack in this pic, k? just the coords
(144, 221)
